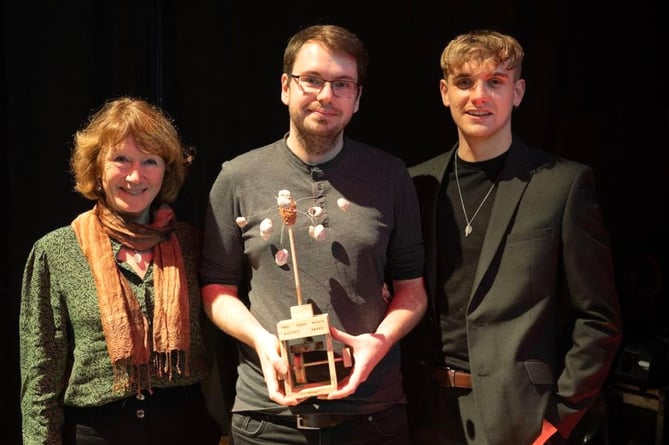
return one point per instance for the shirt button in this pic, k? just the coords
(140, 396)
(140, 413)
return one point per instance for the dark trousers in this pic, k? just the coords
(388, 427)
(168, 417)
(442, 421)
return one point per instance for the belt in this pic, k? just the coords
(308, 421)
(450, 378)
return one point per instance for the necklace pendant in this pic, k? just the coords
(138, 257)
(468, 229)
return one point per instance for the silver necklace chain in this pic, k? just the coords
(468, 227)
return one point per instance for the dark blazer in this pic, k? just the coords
(545, 269)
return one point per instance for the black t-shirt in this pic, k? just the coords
(459, 254)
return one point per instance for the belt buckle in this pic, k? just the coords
(302, 426)
(451, 376)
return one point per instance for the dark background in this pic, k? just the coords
(597, 92)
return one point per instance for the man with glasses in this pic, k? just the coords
(350, 212)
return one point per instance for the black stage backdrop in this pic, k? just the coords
(595, 93)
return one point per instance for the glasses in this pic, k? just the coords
(314, 84)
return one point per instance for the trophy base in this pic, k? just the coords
(306, 345)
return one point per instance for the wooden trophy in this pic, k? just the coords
(306, 343)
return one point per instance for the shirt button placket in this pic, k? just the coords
(140, 412)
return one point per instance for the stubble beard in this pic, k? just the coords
(316, 139)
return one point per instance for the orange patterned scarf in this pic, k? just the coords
(125, 326)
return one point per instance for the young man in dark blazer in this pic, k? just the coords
(524, 313)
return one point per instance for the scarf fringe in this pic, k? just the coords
(163, 364)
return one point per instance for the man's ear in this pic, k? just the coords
(443, 89)
(285, 88)
(356, 106)
(518, 92)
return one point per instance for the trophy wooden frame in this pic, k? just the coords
(303, 334)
